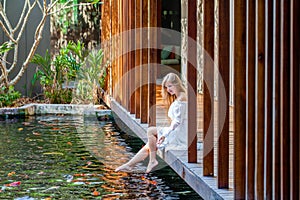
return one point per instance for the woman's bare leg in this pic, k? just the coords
(152, 140)
(138, 157)
(149, 149)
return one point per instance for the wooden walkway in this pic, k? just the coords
(192, 173)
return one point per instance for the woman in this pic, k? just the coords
(172, 137)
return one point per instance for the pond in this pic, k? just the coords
(69, 157)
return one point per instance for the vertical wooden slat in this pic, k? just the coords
(285, 99)
(239, 98)
(114, 24)
(250, 104)
(119, 46)
(294, 131)
(132, 55)
(144, 69)
(159, 35)
(208, 91)
(224, 49)
(259, 98)
(268, 102)
(154, 15)
(192, 82)
(126, 34)
(138, 57)
(124, 52)
(105, 40)
(276, 101)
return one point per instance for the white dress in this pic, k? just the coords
(176, 133)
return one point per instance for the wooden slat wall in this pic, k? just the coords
(266, 86)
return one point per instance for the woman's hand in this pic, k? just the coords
(161, 140)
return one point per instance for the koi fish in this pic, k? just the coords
(13, 184)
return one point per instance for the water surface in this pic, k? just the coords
(69, 157)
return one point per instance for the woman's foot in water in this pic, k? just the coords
(151, 165)
(124, 167)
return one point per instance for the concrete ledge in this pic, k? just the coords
(67, 109)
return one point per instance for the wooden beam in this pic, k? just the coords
(132, 55)
(285, 100)
(114, 25)
(276, 102)
(294, 81)
(128, 56)
(155, 14)
(192, 81)
(138, 57)
(239, 63)
(224, 69)
(119, 46)
(124, 53)
(269, 101)
(250, 102)
(208, 91)
(144, 69)
(105, 40)
(259, 97)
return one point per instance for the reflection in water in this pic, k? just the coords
(68, 157)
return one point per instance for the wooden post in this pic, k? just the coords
(114, 25)
(145, 63)
(132, 55)
(124, 53)
(208, 91)
(192, 82)
(259, 97)
(250, 104)
(105, 40)
(285, 100)
(155, 14)
(239, 98)
(268, 176)
(138, 57)
(294, 132)
(223, 128)
(276, 102)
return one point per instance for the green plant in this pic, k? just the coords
(5, 47)
(8, 95)
(91, 78)
(54, 76)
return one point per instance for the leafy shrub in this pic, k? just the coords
(8, 95)
(91, 78)
(54, 76)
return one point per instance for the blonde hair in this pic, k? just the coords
(174, 80)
